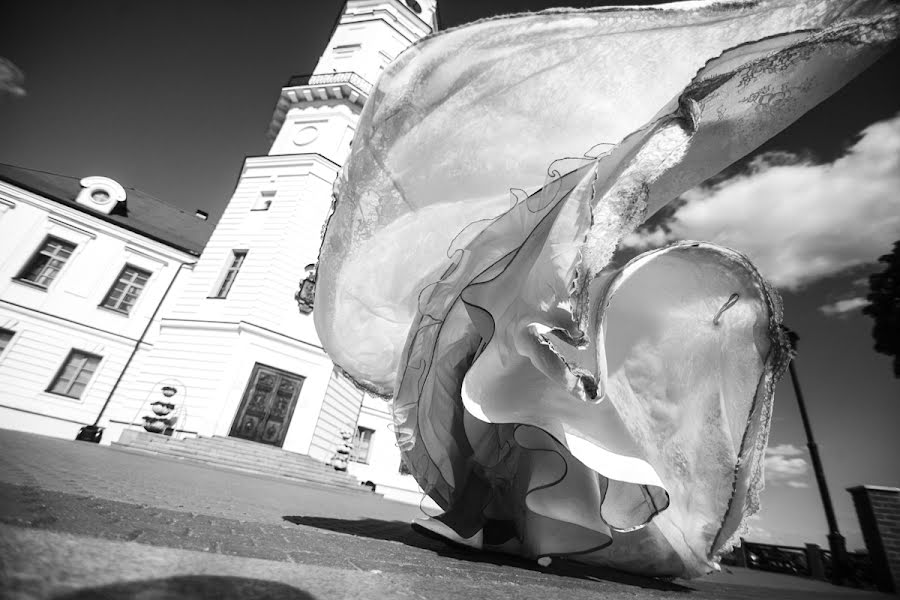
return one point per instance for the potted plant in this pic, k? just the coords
(162, 408)
(155, 424)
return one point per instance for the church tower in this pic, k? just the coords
(317, 113)
(247, 362)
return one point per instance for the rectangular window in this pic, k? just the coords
(47, 262)
(237, 259)
(361, 442)
(346, 51)
(75, 374)
(125, 291)
(5, 336)
(264, 200)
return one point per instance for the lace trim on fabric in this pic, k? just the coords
(619, 202)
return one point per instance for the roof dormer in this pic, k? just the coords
(100, 193)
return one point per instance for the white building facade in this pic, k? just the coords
(85, 268)
(108, 298)
(247, 363)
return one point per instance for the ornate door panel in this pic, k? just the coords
(267, 406)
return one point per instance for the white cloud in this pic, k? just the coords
(756, 532)
(785, 464)
(11, 78)
(785, 467)
(648, 239)
(759, 535)
(784, 450)
(842, 307)
(798, 221)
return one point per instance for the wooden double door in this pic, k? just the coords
(267, 406)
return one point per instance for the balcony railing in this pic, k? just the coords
(330, 79)
(795, 560)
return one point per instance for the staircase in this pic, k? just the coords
(240, 455)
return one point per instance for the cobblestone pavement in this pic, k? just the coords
(103, 472)
(67, 508)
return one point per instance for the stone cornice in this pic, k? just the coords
(316, 164)
(404, 21)
(290, 160)
(302, 89)
(347, 87)
(241, 325)
(88, 223)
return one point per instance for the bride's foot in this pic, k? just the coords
(439, 531)
(501, 537)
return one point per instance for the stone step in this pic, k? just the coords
(287, 458)
(252, 448)
(291, 475)
(318, 471)
(223, 446)
(355, 489)
(248, 447)
(265, 454)
(312, 469)
(241, 455)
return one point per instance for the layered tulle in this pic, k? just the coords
(616, 415)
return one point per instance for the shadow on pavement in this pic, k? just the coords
(189, 587)
(398, 531)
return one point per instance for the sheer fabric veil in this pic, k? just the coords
(619, 416)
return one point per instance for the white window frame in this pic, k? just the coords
(362, 433)
(129, 286)
(73, 354)
(12, 336)
(264, 201)
(230, 274)
(346, 50)
(40, 251)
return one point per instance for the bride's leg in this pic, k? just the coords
(464, 521)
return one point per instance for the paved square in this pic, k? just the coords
(79, 521)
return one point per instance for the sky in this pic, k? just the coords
(170, 96)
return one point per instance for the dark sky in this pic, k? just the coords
(170, 96)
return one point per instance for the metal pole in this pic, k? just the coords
(836, 542)
(94, 433)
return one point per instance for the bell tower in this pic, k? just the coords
(236, 322)
(317, 112)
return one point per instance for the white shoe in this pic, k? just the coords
(437, 530)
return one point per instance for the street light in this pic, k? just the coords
(836, 542)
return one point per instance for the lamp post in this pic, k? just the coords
(836, 542)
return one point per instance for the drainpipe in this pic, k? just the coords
(93, 433)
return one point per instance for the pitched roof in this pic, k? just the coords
(142, 213)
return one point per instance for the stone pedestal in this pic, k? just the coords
(740, 555)
(814, 561)
(878, 509)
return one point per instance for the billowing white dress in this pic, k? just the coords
(619, 416)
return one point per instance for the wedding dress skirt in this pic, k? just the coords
(618, 415)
